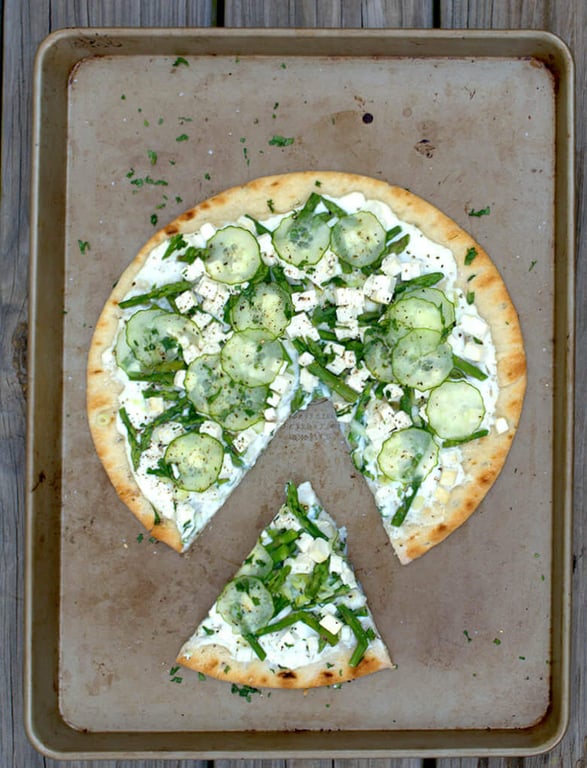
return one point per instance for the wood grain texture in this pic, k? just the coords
(337, 13)
(25, 24)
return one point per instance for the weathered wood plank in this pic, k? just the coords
(132, 13)
(332, 13)
(569, 21)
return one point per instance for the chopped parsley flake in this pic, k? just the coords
(201, 676)
(496, 641)
(245, 691)
(468, 636)
(470, 297)
(481, 212)
(152, 156)
(182, 137)
(83, 246)
(281, 141)
(154, 219)
(470, 256)
(532, 265)
(207, 176)
(181, 61)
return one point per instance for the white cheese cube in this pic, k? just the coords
(441, 495)
(383, 412)
(211, 428)
(473, 325)
(179, 379)
(270, 414)
(330, 623)
(331, 347)
(319, 551)
(473, 351)
(193, 271)
(349, 331)
(357, 378)
(300, 326)
(185, 301)
(350, 358)
(293, 273)
(227, 471)
(391, 266)
(215, 306)
(501, 425)
(214, 333)
(207, 230)
(281, 383)
(337, 365)
(347, 315)
(308, 381)
(402, 420)
(410, 270)
(155, 405)
(302, 564)
(304, 301)
(448, 477)
(452, 458)
(242, 441)
(191, 352)
(274, 399)
(201, 319)
(207, 288)
(304, 542)
(393, 392)
(350, 297)
(379, 288)
(327, 268)
(305, 358)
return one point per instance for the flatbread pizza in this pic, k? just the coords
(294, 614)
(295, 287)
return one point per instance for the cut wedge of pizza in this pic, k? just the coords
(295, 287)
(294, 614)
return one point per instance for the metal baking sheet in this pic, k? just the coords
(133, 127)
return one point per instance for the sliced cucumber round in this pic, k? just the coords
(377, 357)
(213, 392)
(301, 240)
(245, 603)
(258, 563)
(413, 312)
(408, 455)
(420, 360)
(124, 355)
(233, 255)
(437, 297)
(455, 410)
(358, 239)
(145, 340)
(263, 306)
(252, 358)
(198, 459)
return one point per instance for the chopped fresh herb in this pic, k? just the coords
(317, 183)
(283, 65)
(123, 97)
(496, 641)
(181, 61)
(207, 176)
(481, 212)
(245, 691)
(532, 265)
(140, 537)
(83, 246)
(152, 156)
(226, 669)
(207, 630)
(160, 121)
(470, 256)
(281, 141)
(471, 278)
(154, 219)
(470, 297)
(466, 634)
(130, 174)
(201, 676)
(182, 137)
(178, 199)
(522, 658)
(175, 243)
(271, 206)
(173, 670)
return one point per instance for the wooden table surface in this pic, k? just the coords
(25, 24)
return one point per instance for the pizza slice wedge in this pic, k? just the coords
(294, 614)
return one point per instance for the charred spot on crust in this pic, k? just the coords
(188, 215)
(171, 229)
(287, 674)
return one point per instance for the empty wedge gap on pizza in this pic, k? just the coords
(294, 614)
(296, 287)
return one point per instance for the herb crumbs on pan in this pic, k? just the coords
(154, 219)
(496, 641)
(480, 212)
(467, 635)
(152, 156)
(182, 137)
(83, 246)
(532, 265)
(201, 676)
(245, 691)
(281, 141)
(181, 61)
(174, 677)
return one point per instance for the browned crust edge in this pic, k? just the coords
(216, 661)
(483, 460)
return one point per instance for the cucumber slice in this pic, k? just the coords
(252, 358)
(198, 459)
(213, 392)
(413, 312)
(455, 410)
(258, 563)
(408, 455)
(263, 306)
(301, 239)
(124, 355)
(420, 360)
(358, 239)
(233, 256)
(377, 357)
(437, 297)
(245, 603)
(145, 341)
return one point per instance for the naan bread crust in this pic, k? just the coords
(483, 459)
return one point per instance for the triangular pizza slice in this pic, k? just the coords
(294, 614)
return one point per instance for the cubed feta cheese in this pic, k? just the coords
(207, 288)
(305, 358)
(331, 347)
(207, 230)
(304, 542)
(185, 301)
(349, 297)
(281, 383)
(193, 271)
(349, 331)
(274, 399)
(293, 273)
(191, 352)
(327, 268)
(357, 378)
(448, 477)
(330, 623)
(402, 420)
(391, 266)
(473, 325)
(379, 288)
(270, 414)
(347, 315)
(242, 441)
(337, 365)
(302, 564)
(300, 326)
(393, 392)
(304, 301)
(155, 405)
(501, 425)
(473, 351)
(179, 379)
(319, 551)
(441, 494)
(308, 381)
(211, 428)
